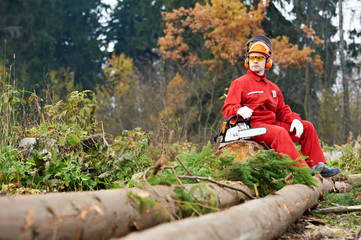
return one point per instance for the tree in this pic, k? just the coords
(117, 98)
(49, 35)
(61, 83)
(211, 37)
(78, 44)
(313, 24)
(345, 83)
(135, 27)
(176, 97)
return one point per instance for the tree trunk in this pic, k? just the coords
(242, 149)
(307, 93)
(265, 218)
(98, 215)
(346, 107)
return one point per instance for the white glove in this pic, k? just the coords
(245, 112)
(296, 124)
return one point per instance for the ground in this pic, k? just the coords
(330, 226)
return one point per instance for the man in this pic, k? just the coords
(253, 96)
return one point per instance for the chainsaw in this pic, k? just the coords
(237, 128)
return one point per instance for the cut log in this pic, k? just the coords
(97, 215)
(354, 178)
(265, 218)
(243, 149)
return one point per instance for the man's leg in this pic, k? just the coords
(311, 147)
(278, 139)
(310, 144)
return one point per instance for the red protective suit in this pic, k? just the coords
(270, 111)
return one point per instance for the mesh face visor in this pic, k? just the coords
(260, 38)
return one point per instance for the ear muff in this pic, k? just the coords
(246, 64)
(269, 63)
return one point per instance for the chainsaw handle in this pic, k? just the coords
(227, 125)
(238, 120)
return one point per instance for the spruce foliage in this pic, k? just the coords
(268, 171)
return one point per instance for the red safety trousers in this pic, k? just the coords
(279, 138)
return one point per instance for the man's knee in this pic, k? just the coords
(281, 132)
(281, 135)
(308, 126)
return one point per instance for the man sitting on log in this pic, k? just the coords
(253, 95)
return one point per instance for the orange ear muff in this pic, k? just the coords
(269, 63)
(246, 63)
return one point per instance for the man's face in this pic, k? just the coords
(257, 63)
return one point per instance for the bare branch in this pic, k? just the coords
(218, 183)
(341, 209)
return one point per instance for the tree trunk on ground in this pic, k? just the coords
(242, 149)
(265, 218)
(98, 215)
(354, 178)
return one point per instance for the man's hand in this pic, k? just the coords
(296, 124)
(245, 112)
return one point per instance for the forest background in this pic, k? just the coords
(174, 60)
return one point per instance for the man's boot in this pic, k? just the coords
(319, 167)
(329, 172)
(324, 171)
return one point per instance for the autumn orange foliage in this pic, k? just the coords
(285, 54)
(225, 26)
(176, 97)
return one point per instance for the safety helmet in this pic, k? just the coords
(262, 45)
(259, 47)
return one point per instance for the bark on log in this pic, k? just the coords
(94, 215)
(265, 218)
(243, 149)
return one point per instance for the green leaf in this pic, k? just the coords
(72, 139)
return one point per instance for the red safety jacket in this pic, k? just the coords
(260, 95)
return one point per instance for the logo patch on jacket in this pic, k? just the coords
(250, 93)
(274, 93)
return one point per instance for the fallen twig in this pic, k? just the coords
(256, 190)
(185, 168)
(218, 183)
(287, 179)
(341, 209)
